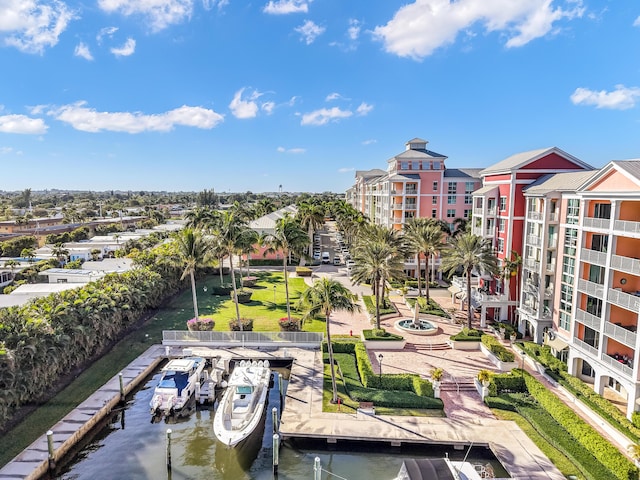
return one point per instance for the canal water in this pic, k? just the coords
(130, 446)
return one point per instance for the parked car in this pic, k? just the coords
(326, 258)
(316, 255)
(336, 261)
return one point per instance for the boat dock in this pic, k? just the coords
(301, 417)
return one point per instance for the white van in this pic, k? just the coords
(326, 258)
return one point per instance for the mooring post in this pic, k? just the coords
(274, 419)
(280, 384)
(197, 392)
(317, 469)
(276, 452)
(168, 449)
(122, 396)
(52, 462)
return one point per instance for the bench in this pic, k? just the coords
(366, 408)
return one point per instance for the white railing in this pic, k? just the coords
(550, 267)
(591, 288)
(533, 240)
(553, 217)
(397, 206)
(591, 222)
(532, 264)
(552, 241)
(616, 365)
(491, 211)
(593, 256)
(588, 319)
(622, 335)
(410, 206)
(624, 299)
(626, 264)
(534, 215)
(627, 226)
(478, 212)
(585, 346)
(208, 338)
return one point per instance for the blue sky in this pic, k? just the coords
(241, 95)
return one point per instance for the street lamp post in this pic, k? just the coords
(522, 367)
(380, 357)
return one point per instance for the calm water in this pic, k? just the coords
(130, 446)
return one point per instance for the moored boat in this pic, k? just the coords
(177, 386)
(243, 402)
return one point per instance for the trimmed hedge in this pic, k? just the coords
(370, 305)
(380, 334)
(431, 308)
(495, 347)
(303, 272)
(467, 335)
(582, 432)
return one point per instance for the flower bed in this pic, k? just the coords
(247, 325)
(244, 295)
(249, 281)
(201, 324)
(498, 354)
(287, 325)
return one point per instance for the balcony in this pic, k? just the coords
(478, 212)
(534, 240)
(534, 215)
(550, 267)
(616, 365)
(531, 264)
(411, 191)
(588, 319)
(553, 217)
(552, 241)
(620, 334)
(627, 226)
(491, 211)
(593, 257)
(585, 346)
(490, 232)
(410, 206)
(626, 264)
(624, 299)
(591, 288)
(397, 206)
(600, 223)
(548, 292)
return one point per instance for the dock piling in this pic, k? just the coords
(317, 469)
(274, 419)
(122, 396)
(276, 453)
(52, 462)
(169, 449)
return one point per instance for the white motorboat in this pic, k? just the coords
(180, 379)
(443, 469)
(243, 402)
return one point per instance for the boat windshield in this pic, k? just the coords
(244, 390)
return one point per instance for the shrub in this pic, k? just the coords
(370, 305)
(303, 272)
(247, 325)
(495, 347)
(222, 289)
(380, 334)
(287, 325)
(244, 295)
(467, 335)
(249, 281)
(201, 324)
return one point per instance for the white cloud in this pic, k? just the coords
(284, 7)
(353, 32)
(82, 50)
(324, 116)
(87, 119)
(268, 107)
(245, 108)
(309, 31)
(295, 151)
(346, 169)
(332, 96)
(364, 109)
(5, 150)
(159, 13)
(208, 4)
(369, 142)
(418, 29)
(33, 25)
(622, 98)
(125, 50)
(22, 124)
(636, 22)
(106, 32)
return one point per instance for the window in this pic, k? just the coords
(436, 165)
(451, 213)
(594, 306)
(467, 213)
(591, 337)
(435, 186)
(568, 269)
(468, 199)
(602, 210)
(452, 188)
(570, 241)
(596, 274)
(434, 200)
(565, 321)
(415, 165)
(404, 165)
(503, 204)
(501, 225)
(599, 243)
(573, 211)
(566, 297)
(501, 245)
(434, 213)
(469, 187)
(451, 199)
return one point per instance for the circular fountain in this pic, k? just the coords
(421, 327)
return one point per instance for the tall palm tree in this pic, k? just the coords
(289, 238)
(378, 257)
(426, 238)
(511, 268)
(229, 230)
(311, 217)
(471, 252)
(193, 252)
(327, 296)
(60, 252)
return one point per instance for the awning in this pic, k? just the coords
(557, 344)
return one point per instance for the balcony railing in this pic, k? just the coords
(552, 241)
(591, 288)
(532, 264)
(550, 267)
(491, 211)
(585, 346)
(624, 299)
(593, 257)
(478, 212)
(534, 215)
(591, 222)
(626, 264)
(534, 240)
(620, 334)
(397, 206)
(616, 365)
(553, 217)
(411, 191)
(588, 319)
(627, 226)
(548, 292)
(410, 206)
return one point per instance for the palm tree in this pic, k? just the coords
(60, 252)
(379, 256)
(469, 252)
(28, 253)
(311, 217)
(511, 268)
(425, 237)
(288, 238)
(327, 296)
(192, 251)
(265, 206)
